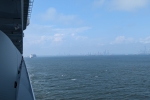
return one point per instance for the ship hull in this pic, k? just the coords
(15, 82)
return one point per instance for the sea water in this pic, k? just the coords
(90, 77)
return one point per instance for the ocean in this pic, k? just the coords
(90, 77)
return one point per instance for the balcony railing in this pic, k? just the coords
(30, 11)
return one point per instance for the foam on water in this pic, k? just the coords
(73, 79)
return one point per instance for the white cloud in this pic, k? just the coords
(145, 40)
(122, 5)
(71, 30)
(52, 15)
(49, 38)
(98, 3)
(129, 5)
(41, 34)
(58, 37)
(122, 39)
(80, 37)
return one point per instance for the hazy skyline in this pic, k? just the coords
(80, 27)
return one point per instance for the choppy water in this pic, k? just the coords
(90, 78)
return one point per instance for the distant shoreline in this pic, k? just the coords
(87, 55)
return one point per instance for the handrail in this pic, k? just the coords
(29, 11)
(30, 8)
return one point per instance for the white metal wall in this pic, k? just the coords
(14, 79)
(10, 59)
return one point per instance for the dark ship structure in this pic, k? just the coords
(14, 79)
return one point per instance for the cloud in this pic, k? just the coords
(41, 34)
(98, 3)
(122, 39)
(129, 5)
(52, 15)
(122, 5)
(71, 30)
(58, 37)
(145, 40)
(41, 39)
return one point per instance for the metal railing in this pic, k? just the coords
(29, 11)
(30, 8)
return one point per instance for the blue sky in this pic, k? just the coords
(59, 27)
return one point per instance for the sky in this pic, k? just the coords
(79, 27)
